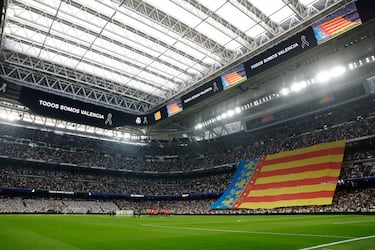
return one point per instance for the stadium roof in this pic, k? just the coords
(135, 55)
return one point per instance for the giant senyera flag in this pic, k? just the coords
(299, 177)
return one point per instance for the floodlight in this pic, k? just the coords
(50, 123)
(338, 71)
(126, 135)
(60, 125)
(3, 116)
(81, 129)
(237, 110)
(298, 86)
(284, 91)
(323, 77)
(13, 117)
(230, 113)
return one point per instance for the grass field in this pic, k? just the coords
(187, 232)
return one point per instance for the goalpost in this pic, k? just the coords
(124, 212)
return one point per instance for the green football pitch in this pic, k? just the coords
(187, 232)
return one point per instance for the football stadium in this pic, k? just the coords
(187, 124)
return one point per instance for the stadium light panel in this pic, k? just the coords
(230, 113)
(298, 86)
(108, 133)
(126, 135)
(338, 71)
(284, 91)
(238, 110)
(90, 130)
(70, 127)
(81, 129)
(3, 116)
(27, 119)
(60, 125)
(323, 77)
(50, 123)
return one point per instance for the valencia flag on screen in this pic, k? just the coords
(300, 177)
(336, 25)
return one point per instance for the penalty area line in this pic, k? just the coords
(339, 242)
(351, 222)
(247, 232)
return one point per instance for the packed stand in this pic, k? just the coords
(76, 180)
(345, 122)
(54, 205)
(346, 200)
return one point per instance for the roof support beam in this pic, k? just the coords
(262, 19)
(298, 8)
(112, 56)
(27, 70)
(180, 28)
(220, 23)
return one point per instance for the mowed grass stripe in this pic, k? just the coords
(247, 232)
(283, 232)
(339, 242)
(351, 222)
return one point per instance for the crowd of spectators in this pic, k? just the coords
(340, 123)
(24, 144)
(346, 200)
(357, 164)
(357, 170)
(53, 205)
(60, 179)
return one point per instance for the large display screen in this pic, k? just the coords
(233, 76)
(208, 89)
(337, 23)
(174, 107)
(67, 109)
(157, 116)
(294, 45)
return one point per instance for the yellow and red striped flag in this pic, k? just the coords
(336, 25)
(234, 77)
(299, 177)
(173, 108)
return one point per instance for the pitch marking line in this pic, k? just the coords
(350, 222)
(339, 242)
(248, 232)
